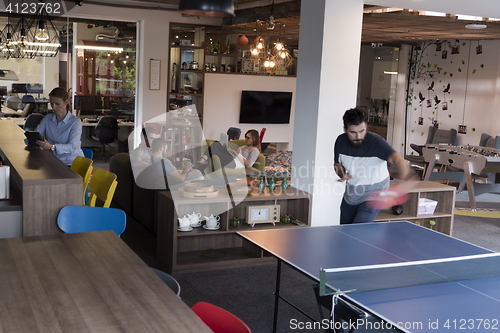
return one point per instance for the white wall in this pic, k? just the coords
(222, 96)
(473, 93)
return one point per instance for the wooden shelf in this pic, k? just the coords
(443, 215)
(180, 251)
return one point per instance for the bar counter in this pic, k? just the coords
(44, 182)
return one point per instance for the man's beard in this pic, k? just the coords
(357, 143)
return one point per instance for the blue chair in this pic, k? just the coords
(89, 153)
(169, 281)
(72, 219)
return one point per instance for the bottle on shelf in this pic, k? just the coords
(218, 46)
(207, 67)
(262, 182)
(272, 183)
(228, 47)
(212, 49)
(214, 68)
(284, 182)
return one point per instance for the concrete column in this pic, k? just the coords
(327, 75)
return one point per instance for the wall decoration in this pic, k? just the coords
(462, 129)
(154, 74)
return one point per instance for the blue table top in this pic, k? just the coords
(310, 248)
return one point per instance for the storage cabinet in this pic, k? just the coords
(443, 214)
(202, 249)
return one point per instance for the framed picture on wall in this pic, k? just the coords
(154, 74)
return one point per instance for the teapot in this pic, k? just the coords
(286, 218)
(212, 218)
(193, 65)
(194, 219)
(184, 222)
(235, 222)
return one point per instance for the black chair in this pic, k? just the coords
(29, 99)
(32, 121)
(106, 132)
(233, 133)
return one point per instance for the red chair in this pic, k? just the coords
(218, 319)
(261, 136)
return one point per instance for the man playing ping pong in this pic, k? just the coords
(361, 160)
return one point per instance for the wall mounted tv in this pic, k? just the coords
(265, 107)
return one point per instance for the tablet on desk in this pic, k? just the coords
(32, 137)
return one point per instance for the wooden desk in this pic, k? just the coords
(43, 181)
(85, 282)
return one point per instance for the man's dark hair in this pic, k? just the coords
(354, 117)
(157, 144)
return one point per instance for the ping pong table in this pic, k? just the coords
(449, 305)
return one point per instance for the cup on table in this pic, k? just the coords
(184, 223)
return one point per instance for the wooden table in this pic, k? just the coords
(85, 282)
(44, 183)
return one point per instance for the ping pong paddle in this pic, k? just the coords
(394, 195)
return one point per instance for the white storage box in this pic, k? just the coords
(426, 206)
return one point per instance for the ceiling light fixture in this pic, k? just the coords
(476, 26)
(211, 8)
(100, 48)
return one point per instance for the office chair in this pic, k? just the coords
(168, 280)
(89, 153)
(83, 167)
(32, 121)
(103, 185)
(29, 99)
(72, 219)
(218, 319)
(233, 133)
(106, 131)
(14, 102)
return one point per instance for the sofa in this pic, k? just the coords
(138, 198)
(214, 169)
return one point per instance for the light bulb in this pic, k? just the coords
(283, 55)
(260, 45)
(255, 51)
(266, 63)
(41, 35)
(112, 61)
(124, 61)
(279, 46)
(271, 64)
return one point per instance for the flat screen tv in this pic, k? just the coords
(21, 88)
(35, 88)
(265, 107)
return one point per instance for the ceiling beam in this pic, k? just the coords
(281, 10)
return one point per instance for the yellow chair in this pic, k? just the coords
(83, 166)
(103, 185)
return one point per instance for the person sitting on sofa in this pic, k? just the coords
(245, 157)
(141, 157)
(161, 164)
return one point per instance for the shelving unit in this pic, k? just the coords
(183, 251)
(443, 215)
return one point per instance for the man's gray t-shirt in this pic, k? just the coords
(366, 163)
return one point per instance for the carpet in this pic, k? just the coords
(479, 212)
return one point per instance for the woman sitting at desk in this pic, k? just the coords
(61, 129)
(245, 157)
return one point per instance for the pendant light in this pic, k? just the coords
(212, 8)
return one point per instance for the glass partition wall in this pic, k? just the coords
(96, 63)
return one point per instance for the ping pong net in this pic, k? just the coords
(338, 281)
